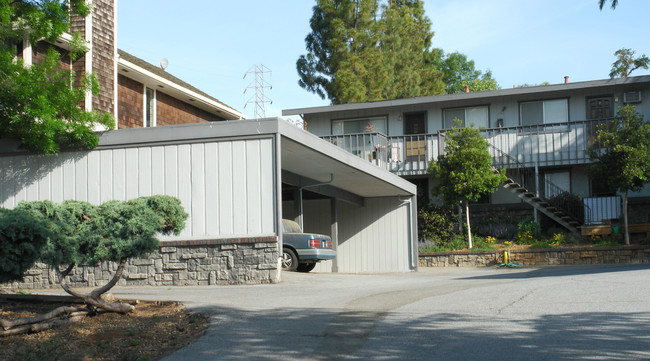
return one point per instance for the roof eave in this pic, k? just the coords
(469, 96)
(200, 100)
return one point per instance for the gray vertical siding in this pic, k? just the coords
(227, 187)
(374, 238)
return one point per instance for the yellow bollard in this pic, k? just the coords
(505, 256)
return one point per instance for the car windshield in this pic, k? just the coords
(290, 226)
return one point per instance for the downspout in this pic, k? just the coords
(278, 203)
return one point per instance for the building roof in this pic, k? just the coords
(533, 91)
(140, 70)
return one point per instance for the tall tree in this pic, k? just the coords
(38, 105)
(465, 171)
(626, 63)
(361, 51)
(460, 72)
(621, 155)
(405, 37)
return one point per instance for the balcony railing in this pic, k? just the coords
(543, 144)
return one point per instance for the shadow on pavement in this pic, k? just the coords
(311, 334)
(559, 271)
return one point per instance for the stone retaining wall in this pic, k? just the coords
(539, 257)
(178, 263)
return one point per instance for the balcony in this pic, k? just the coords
(543, 145)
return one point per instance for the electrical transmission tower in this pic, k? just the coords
(259, 99)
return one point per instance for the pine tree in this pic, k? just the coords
(359, 51)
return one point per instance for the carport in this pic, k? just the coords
(369, 212)
(229, 177)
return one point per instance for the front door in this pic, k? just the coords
(414, 123)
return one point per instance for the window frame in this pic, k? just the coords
(444, 118)
(146, 109)
(568, 112)
(384, 118)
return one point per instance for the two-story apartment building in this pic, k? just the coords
(539, 134)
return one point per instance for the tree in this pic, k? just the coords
(601, 3)
(79, 233)
(22, 237)
(38, 105)
(465, 171)
(621, 155)
(460, 72)
(359, 51)
(405, 37)
(626, 63)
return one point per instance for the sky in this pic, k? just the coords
(212, 44)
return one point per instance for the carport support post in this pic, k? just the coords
(413, 218)
(334, 231)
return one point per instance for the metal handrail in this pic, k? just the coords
(521, 174)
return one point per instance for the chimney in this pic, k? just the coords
(466, 88)
(566, 79)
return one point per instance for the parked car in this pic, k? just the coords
(301, 251)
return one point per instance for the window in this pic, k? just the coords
(546, 111)
(479, 116)
(149, 105)
(600, 108)
(362, 125)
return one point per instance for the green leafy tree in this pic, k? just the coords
(601, 4)
(621, 155)
(626, 63)
(526, 85)
(83, 234)
(465, 171)
(360, 51)
(38, 105)
(460, 72)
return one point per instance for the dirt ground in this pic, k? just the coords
(152, 331)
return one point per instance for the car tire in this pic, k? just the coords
(289, 260)
(305, 267)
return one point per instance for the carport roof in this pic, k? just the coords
(305, 158)
(308, 156)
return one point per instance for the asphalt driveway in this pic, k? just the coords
(550, 313)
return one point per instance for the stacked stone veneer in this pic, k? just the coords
(178, 263)
(538, 257)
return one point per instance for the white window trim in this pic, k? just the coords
(154, 120)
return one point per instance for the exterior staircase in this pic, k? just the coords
(518, 174)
